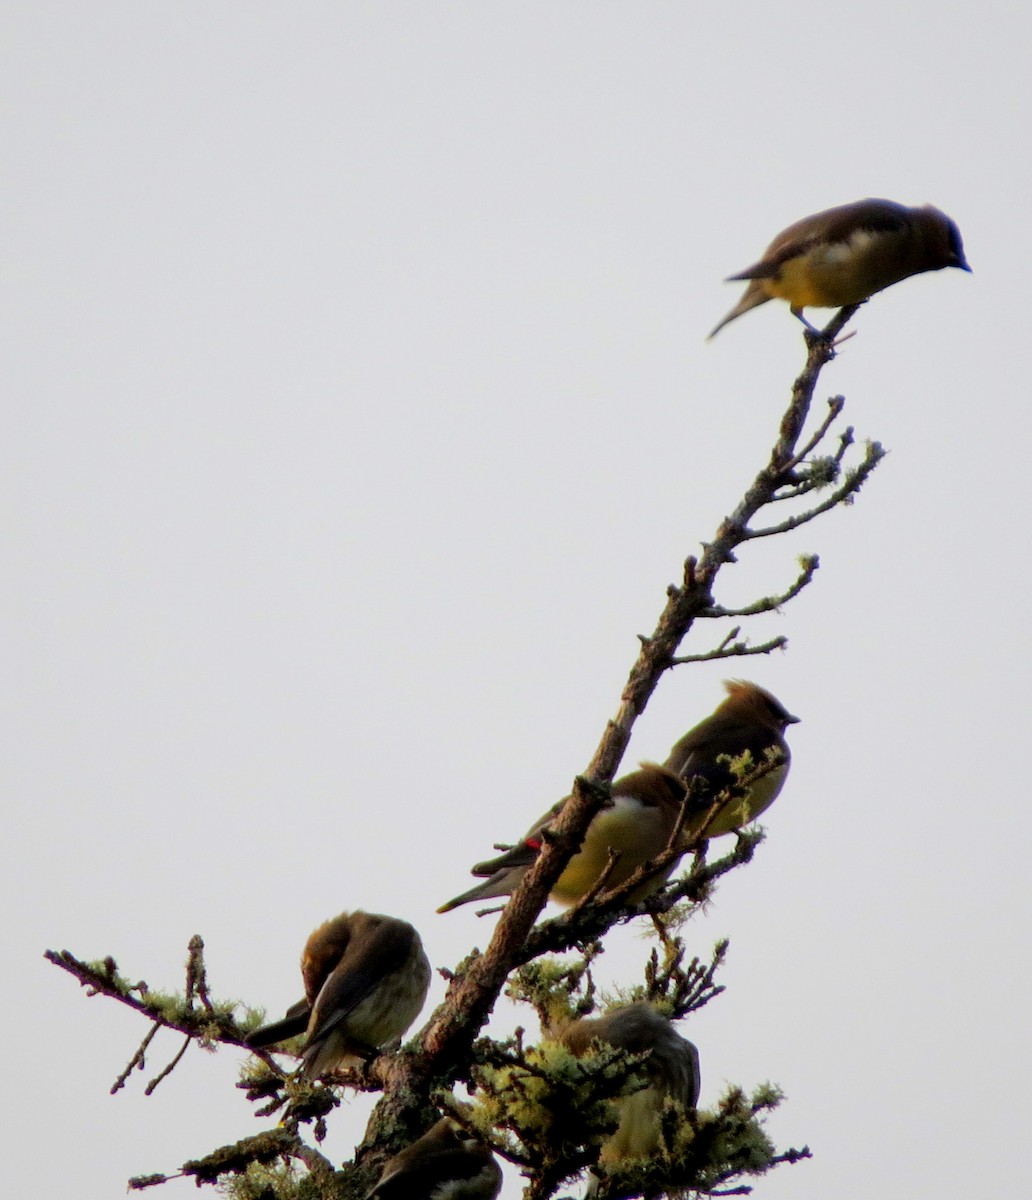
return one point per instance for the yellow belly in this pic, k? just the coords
(831, 276)
(634, 837)
(736, 813)
(638, 1134)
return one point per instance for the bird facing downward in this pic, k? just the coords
(749, 722)
(446, 1163)
(636, 822)
(673, 1072)
(844, 255)
(366, 977)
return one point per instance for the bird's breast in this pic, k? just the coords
(633, 830)
(391, 1007)
(761, 795)
(638, 1134)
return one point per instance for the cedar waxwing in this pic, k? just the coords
(446, 1163)
(366, 977)
(844, 255)
(636, 822)
(749, 720)
(673, 1071)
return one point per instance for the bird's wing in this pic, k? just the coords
(675, 1066)
(689, 1096)
(827, 228)
(524, 852)
(356, 975)
(698, 755)
(702, 755)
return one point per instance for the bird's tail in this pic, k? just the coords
(752, 297)
(501, 884)
(292, 1025)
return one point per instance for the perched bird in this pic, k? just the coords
(636, 822)
(446, 1163)
(366, 977)
(749, 721)
(672, 1066)
(844, 255)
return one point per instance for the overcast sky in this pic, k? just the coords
(358, 415)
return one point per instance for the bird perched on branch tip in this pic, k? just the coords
(844, 255)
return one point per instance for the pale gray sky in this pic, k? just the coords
(358, 415)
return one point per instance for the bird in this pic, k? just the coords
(844, 255)
(750, 721)
(636, 822)
(446, 1163)
(672, 1069)
(366, 977)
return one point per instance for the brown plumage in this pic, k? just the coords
(844, 255)
(366, 977)
(636, 822)
(750, 721)
(446, 1163)
(673, 1073)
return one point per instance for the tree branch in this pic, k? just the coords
(729, 648)
(443, 1050)
(449, 1034)
(843, 494)
(810, 564)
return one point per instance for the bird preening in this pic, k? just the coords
(844, 255)
(721, 775)
(366, 977)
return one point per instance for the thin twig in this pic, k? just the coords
(738, 650)
(810, 563)
(835, 407)
(136, 1059)
(166, 1071)
(221, 1026)
(853, 483)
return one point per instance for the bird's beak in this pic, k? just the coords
(790, 720)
